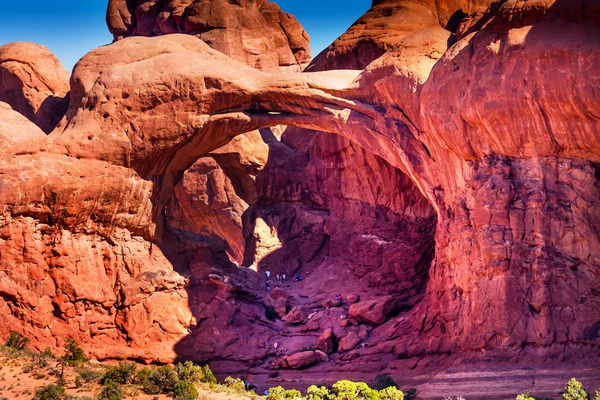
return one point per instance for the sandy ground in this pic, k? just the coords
(15, 383)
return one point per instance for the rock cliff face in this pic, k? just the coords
(256, 33)
(455, 209)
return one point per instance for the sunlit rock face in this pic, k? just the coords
(34, 83)
(456, 205)
(256, 33)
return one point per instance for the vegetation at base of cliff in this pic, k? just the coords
(184, 381)
(575, 391)
(74, 354)
(16, 341)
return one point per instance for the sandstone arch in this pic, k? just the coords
(481, 175)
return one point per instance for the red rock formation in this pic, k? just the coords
(34, 83)
(508, 163)
(257, 33)
(386, 24)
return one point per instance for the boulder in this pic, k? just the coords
(298, 360)
(348, 342)
(374, 311)
(296, 316)
(326, 341)
(278, 299)
(352, 298)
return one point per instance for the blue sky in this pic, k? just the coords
(71, 28)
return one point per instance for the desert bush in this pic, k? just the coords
(75, 354)
(525, 396)
(279, 393)
(383, 382)
(575, 391)
(142, 375)
(236, 384)
(16, 341)
(124, 373)
(161, 380)
(48, 353)
(189, 372)
(89, 375)
(410, 394)
(597, 395)
(185, 391)
(39, 360)
(209, 377)
(50, 392)
(317, 393)
(344, 390)
(270, 313)
(391, 393)
(364, 392)
(111, 391)
(348, 390)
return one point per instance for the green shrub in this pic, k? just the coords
(142, 375)
(50, 392)
(48, 353)
(75, 354)
(597, 395)
(78, 382)
(16, 341)
(111, 391)
(391, 393)
(575, 391)
(189, 372)
(525, 396)
(279, 393)
(364, 392)
(124, 373)
(209, 377)
(344, 390)
(317, 393)
(163, 379)
(383, 382)
(89, 375)
(185, 391)
(236, 384)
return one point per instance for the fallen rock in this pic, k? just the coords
(297, 316)
(353, 298)
(326, 342)
(297, 361)
(374, 311)
(332, 303)
(348, 342)
(363, 333)
(278, 299)
(322, 356)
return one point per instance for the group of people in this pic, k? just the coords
(279, 278)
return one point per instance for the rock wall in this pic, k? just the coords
(496, 137)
